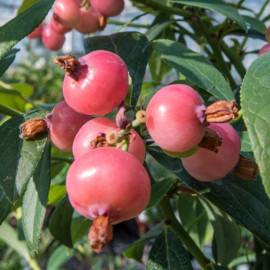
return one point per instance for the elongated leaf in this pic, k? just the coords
(58, 257)
(79, 227)
(22, 25)
(194, 218)
(246, 148)
(159, 190)
(135, 250)
(246, 201)
(216, 6)
(195, 67)
(132, 47)
(5, 206)
(19, 157)
(157, 28)
(10, 237)
(56, 194)
(60, 222)
(255, 96)
(35, 201)
(255, 24)
(227, 238)
(168, 253)
(25, 5)
(7, 60)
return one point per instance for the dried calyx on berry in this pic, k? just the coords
(211, 140)
(246, 169)
(100, 233)
(68, 63)
(221, 112)
(33, 127)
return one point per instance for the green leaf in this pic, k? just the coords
(195, 67)
(19, 157)
(58, 257)
(79, 227)
(227, 237)
(159, 190)
(255, 24)
(35, 201)
(10, 237)
(22, 25)
(5, 206)
(255, 96)
(56, 194)
(245, 201)
(194, 218)
(16, 97)
(7, 60)
(25, 5)
(60, 222)
(135, 250)
(216, 6)
(132, 47)
(168, 253)
(246, 148)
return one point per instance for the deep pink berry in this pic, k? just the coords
(36, 33)
(108, 8)
(51, 39)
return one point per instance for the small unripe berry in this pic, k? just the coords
(206, 165)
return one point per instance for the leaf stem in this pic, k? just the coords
(181, 233)
(109, 21)
(8, 111)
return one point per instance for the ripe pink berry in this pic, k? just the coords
(176, 118)
(108, 8)
(63, 124)
(51, 39)
(108, 182)
(67, 12)
(101, 85)
(90, 130)
(58, 27)
(88, 22)
(206, 165)
(264, 49)
(36, 33)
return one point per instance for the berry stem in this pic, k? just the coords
(183, 236)
(64, 159)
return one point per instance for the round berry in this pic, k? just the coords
(264, 49)
(100, 84)
(88, 22)
(176, 118)
(108, 8)
(58, 27)
(63, 124)
(36, 33)
(90, 130)
(51, 39)
(67, 12)
(108, 182)
(206, 165)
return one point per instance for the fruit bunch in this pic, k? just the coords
(107, 182)
(84, 16)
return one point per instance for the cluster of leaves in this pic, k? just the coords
(230, 212)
